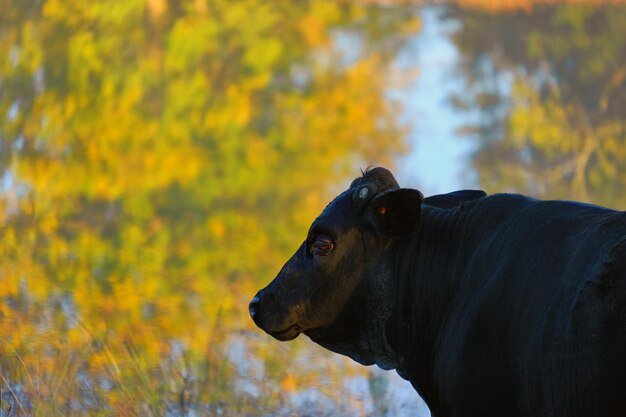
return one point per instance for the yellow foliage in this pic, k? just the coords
(289, 383)
(166, 157)
(217, 228)
(528, 5)
(312, 29)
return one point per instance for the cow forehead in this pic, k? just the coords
(339, 210)
(346, 206)
(340, 205)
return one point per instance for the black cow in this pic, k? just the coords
(497, 305)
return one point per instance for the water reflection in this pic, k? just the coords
(438, 160)
(152, 158)
(159, 160)
(550, 86)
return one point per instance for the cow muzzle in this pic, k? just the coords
(273, 320)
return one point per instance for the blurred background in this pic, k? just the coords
(161, 159)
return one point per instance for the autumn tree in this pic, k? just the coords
(550, 85)
(158, 158)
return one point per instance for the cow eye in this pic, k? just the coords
(323, 245)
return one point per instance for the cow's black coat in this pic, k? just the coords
(489, 305)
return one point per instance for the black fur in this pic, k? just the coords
(454, 199)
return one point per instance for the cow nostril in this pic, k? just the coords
(254, 306)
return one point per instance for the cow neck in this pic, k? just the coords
(426, 266)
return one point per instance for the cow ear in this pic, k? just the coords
(396, 212)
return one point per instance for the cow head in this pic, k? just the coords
(336, 288)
